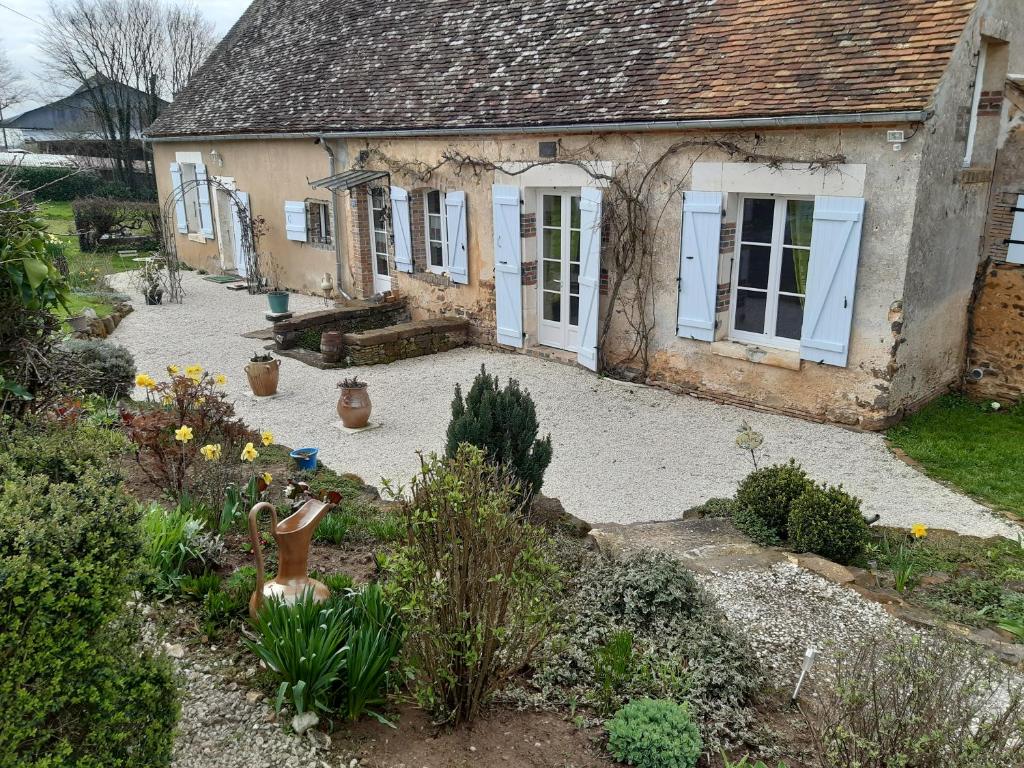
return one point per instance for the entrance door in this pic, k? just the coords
(559, 257)
(379, 240)
(239, 206)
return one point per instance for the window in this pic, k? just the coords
(379, 239)
(437, 232)
(193, 216)
(770, 278)
(318, 218)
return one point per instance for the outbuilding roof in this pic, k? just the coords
(371, 65)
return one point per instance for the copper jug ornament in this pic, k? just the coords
(293, 536)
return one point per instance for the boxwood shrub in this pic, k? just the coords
(764, 499)
(827, 521)
(72, 690)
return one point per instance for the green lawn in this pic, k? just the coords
(60, 221)
(977, 449)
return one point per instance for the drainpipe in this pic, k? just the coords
(339, 267)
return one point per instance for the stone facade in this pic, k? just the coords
(398, 342)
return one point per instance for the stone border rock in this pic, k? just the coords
(101, 327)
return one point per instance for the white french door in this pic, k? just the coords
(558, 292)
(379, 240)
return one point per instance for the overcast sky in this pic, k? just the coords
(19, 36)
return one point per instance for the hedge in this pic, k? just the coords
(63, 184)
(75, 690)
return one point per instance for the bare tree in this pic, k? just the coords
(12, 89)
(102, 45)
(190, 39)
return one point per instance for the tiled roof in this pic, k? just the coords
(363, 65)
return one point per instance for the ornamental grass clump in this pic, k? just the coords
(651, 733)
(476, 588)
(503, 424)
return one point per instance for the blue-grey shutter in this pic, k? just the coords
(831, 279)
(698, 265)
(1015, 249)
(590, 275)
(400, 227)
(295, 220)
(205, 211)
(455, 221)
(179, 198)
(240, 213)
(508, 258)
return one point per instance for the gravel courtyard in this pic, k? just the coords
(622, 453)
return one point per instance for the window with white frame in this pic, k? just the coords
(770, 279)
(437, 232)
(193, 216)
(379, 236)
(318, 221)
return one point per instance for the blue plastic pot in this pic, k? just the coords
(305, 458)
(278, 301)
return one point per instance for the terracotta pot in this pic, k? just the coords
(263, 377)
(331, 346)
(354, 407)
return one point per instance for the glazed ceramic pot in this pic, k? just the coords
(354, 407)
(278, 301)
(263, 377)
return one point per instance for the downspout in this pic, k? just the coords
(339, 266)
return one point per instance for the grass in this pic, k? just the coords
(77, 302)
(974, 581)
(971, 446)
(60, 221)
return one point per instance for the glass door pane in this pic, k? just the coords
(574, 260)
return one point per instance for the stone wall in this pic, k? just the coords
(350, 318)
(398, 342)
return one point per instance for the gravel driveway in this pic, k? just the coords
(622, 453)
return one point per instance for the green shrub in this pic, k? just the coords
(473, 581)
(98, 217)
(650, 733)
(828, 522)
(683, 647)
(503, 424)
(333, 655)
(716, 507)
(72, 690)
(64, 455)
(97, 367)
(911, 701)
(764, 499)
(60, 184)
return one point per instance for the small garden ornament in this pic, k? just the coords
(354, 405)
(293, 536)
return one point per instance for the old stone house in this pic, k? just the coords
(813, 179)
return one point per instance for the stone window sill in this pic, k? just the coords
(752, 353)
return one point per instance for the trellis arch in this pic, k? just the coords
(248, 245)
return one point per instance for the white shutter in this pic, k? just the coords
(400, 225)
(508, 259)
(698, 265)
(240, 213)
(205, 212)
(179, 198)
(590, 275)
(295, 220)
(455, 221)
(831, 279)
(1015, 249)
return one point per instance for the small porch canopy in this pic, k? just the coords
(354, 177)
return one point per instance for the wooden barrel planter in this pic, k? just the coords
(331, 346)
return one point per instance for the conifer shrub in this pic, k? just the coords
(827, 521)
(97, 367)
(654, 733)
(764, 499)
(503, 424)
(73, 689)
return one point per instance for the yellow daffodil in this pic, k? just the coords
(194, 372)
(166, 399)
(173, 370)
(211, 452)
(200, 400)
(267, 477)
(183, 433)
(249, 453)
(145, 380)
(220, 379)
(266, 437)
(919, 530)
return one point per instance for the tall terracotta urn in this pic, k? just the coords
(263, 372)
(354, 405)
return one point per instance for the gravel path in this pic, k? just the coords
(622, 453)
